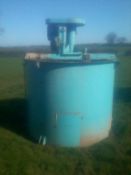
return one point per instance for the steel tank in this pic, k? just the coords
(69, 100)
(70, 104)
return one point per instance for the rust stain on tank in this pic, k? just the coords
(92, 139)
(88, 140)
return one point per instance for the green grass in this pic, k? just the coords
(123, 72)
(19, 156)
(11, 78)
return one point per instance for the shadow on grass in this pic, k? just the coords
(123, 94)
(13, 116)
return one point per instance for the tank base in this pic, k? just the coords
(86, 141)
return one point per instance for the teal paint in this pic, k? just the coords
(62, 34)
(70, 103)
(70, 98)
(72, 34)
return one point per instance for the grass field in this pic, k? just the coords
(19, 156)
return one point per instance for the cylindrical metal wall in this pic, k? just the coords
(70, 104)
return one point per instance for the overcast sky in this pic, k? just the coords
(24, 20)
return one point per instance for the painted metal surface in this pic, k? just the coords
(74, 21)
(61, 34)
(69, 104)
(69, 94)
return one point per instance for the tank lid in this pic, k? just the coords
(67, 21)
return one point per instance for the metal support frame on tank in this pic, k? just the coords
(62, 34)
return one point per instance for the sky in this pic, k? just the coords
(24, 20)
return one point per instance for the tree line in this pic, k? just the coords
(113, 38)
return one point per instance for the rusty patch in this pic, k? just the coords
(45, 59)
(88, 140)
(35, 56)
